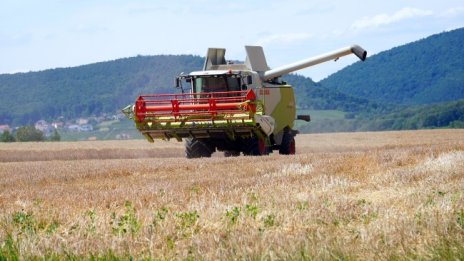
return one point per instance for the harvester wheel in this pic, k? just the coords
(231, 153)
(195, 148)
(255, 147)
(288, 144)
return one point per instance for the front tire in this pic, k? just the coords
(195, 148)
(288, 146)
(255, 147)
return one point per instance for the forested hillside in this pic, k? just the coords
(315, 96)
(430, 70)
(441, 115)
(88, 89)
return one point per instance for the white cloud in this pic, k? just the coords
(385, 19)
(288, 38)
(452, 12)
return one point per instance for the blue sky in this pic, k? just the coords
(38, 35)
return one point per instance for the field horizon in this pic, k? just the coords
(362, 195)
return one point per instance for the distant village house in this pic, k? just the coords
(4, 128)
(44, 127)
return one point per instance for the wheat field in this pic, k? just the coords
(368, 196)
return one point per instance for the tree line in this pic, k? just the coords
(442, 115)
(28, 133)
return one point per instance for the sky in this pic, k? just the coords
(38, 35)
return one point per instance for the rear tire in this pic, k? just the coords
(254, 147)
(195, 148)
(288, 146)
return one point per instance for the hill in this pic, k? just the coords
(315, 96)
(88, 89)
(430, 70)
(441, 115)
(108, 86)
(431, 116)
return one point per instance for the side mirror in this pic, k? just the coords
(177, 82)
(249, 79)
(244, 87)
(306, 118)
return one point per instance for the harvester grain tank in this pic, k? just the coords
(234, 108)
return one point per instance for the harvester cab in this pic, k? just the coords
(231, 107)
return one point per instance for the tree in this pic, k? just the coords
(7, 137)
(55, 136)
(29, 133)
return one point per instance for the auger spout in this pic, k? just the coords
(279, 71)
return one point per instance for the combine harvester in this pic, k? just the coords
(235, 108)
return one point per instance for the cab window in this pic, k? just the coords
(216, 84)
